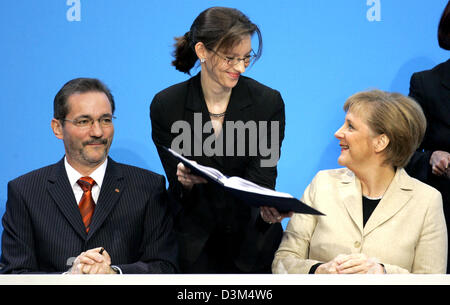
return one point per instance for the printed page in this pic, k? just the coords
(211, 172)
(245, 185)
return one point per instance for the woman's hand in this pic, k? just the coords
(351, 264)
(271, 215)
(358, 263)
(186, 178)
(330, 267)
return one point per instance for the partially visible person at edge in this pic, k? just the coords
(378, 218)
(431, 89)
(216, 232)
(87, 213)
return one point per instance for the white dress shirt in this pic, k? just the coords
(74, 176)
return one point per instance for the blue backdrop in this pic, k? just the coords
(316, 53)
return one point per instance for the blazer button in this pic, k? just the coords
(357, 244)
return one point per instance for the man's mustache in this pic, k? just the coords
(96, 141)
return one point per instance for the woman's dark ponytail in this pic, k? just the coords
(184, 53)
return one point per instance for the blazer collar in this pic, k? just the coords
(60, 190)
(397, 195)
(351, 195)
(195, 98)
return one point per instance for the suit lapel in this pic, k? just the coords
(112, 188)
(397, 195)
(352, 198)
(197, 116)
(239, 109)
(240, 100)
(61, 192)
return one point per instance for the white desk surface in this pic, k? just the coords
(225, 279)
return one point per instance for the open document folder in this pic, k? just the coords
(247, 191)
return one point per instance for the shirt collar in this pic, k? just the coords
(97, 175)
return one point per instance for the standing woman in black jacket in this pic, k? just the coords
(431, 89)
(224, 120)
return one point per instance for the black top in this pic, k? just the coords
(369, 206)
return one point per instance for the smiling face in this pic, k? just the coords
(218, 72)
(357, 142)
(86, 147)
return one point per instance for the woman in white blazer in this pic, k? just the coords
(378, 219)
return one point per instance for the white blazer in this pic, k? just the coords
(406, 232)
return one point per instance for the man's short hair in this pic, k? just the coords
(78, 86)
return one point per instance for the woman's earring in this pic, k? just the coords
(202, 60)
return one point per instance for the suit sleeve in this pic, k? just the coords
(419, 165)
(261, 239)
(263, 168)
(431, 250)
(158, 248)
(292, 255)
(18, 246)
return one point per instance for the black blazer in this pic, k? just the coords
(431, 89)
(207, 209)
(44, 232)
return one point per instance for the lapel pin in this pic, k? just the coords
(117, 190)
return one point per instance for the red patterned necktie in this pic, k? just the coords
(86, 204)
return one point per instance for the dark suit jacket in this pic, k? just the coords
(207, 211)
(44, 232)
(431, 89)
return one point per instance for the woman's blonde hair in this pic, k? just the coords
(399, 117)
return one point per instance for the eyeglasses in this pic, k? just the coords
(87, 122)
(233, 61)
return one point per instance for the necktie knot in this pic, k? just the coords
(86, 183)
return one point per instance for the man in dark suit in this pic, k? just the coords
(87, 213)
(431, 89)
